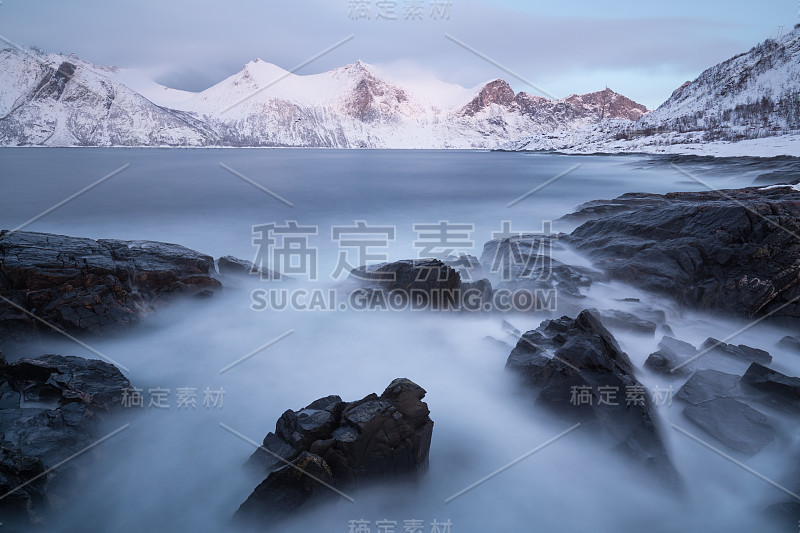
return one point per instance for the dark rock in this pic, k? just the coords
(742, 352)
(428, 282)
(525, 263)
(564, 355)
(790, 343)
(705, 385)
(736, 425)
(476, 296)
(677, 347)
(83, 285)
(733, 251)
(779, 390)
(233, 266)
(50, 407)
(613, 318)
(468, 266)
(287, 489)
(345, 444)
(671, 357)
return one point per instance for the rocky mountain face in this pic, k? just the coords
(750, 96)
(55, 100)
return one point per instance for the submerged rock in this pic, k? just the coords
(614, 318)
(344, 444)
(525, 263)
(790, 343)
(50, 407)
(733, 251)
(577, 371)
(733, 423)
(705, 385)
(742, 352)
(778, 390)
(233, 266)
(83, 285)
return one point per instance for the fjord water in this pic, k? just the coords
(179, 469)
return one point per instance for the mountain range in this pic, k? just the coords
(751, 100)
(57, 100)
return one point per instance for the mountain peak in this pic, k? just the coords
(497, 91)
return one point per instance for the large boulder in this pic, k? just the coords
(568, 357)
(344, 445)
(50, 408)
(83, 285)
(734, 251)
(418, 282)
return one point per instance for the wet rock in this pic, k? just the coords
(732, 251)
(476, 296)
(468, 266)
(741, 352)
(670, 358)
(779, 390)
(50, 407)
(233, 266)
(614, 318)
(705, 385)
(565, 356)
(287, 489)
(731, 422)
(790, 343)
(345, 444)
(526, 263)
(426, 282)
(83, 285)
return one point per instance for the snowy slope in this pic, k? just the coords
(754, 96)
(58, 100)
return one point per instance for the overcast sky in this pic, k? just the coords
(642, 51)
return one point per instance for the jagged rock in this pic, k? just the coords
(345, 443)
(671, 353)
(705, 385)
(733, 423)
(424, 282)
(779, 390)
(84, 285)
(50, 407)
(468, 266)
(732, 251)
(614, 318)
(742, 352)
(477, 295)
(525, 263)
(564, 355)
(790, 343)
(233, 266)
(287, 489)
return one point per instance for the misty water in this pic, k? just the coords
(179, 470)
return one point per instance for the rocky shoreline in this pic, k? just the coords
(730, 252)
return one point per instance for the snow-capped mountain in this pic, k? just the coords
(754, 95)
(55, 100)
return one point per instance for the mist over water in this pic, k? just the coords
(179, 470)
